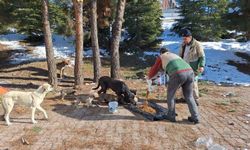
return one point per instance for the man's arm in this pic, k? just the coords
(202, 58)
(155, 68)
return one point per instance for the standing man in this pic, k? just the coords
(180, 75)
(192, 52)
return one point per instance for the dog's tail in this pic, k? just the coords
(97, 86)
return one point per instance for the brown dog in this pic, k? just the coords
(66, 63)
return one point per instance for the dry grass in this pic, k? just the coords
(80, 143)
(29, 135)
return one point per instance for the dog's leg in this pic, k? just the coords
(4, 111)
(33, 115)
(120, 98)
(8, 108)
(42, 110)
(62, 72)
(102, 90)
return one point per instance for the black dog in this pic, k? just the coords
(119, 87)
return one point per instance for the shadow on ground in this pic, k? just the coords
(96, 113)
(242, 67)
(20, 86)
(91, 113)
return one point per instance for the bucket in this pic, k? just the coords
(113, 106)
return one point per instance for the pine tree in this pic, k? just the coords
(203, 18)
(238, 17)
(26, 16)
(78, 72)
(48, 44)
(5, 17)
(116, 36)
(142, 22)
(94, 41)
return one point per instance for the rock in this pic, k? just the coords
(24, 141)
(229, 94)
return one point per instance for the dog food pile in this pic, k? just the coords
(146, 108)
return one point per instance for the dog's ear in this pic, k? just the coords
(133, 91)
(41, 89)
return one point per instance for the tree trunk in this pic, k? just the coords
(78, 72)
(48, 45)
(116, 35)
(94, 41)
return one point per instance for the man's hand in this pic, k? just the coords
(201, 69)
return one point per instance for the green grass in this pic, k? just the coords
(203, 82)
(129, 74)
(203, 91)
(36, 129)
(231, 110)
(143, 94)
(235, 101)
(224, 103)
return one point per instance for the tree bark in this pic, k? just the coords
(94, 41)
(48, 45)
(116, 35)
(78, 72)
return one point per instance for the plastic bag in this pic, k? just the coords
(208, 143)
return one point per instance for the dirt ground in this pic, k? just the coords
(223, 111)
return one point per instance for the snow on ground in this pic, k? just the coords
(217, 56)
(63, 48)
(217, 53)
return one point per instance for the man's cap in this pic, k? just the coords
(163, 50)
(185, 33)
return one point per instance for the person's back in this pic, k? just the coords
(180, 75)
(172, 63)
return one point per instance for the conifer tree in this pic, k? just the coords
(142, 22)
(238, 17)
(26, 16)
(203, 18)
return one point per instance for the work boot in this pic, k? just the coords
(163, 117)
(195, 121)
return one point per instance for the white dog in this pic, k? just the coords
(30, 99)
